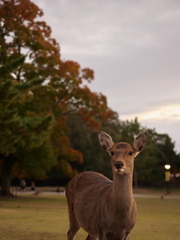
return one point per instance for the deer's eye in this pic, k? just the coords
(131, 153)
(112, 153)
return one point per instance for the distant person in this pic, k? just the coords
(22, 185)
(33, 186)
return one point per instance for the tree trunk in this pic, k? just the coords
(8, 163)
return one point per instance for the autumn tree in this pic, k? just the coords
(38, 91)
(24, 129)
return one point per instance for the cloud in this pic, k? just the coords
(165, 119)
(168, 112)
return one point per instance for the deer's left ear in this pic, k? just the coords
(140, 142)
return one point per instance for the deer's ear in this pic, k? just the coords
(105, 141)
(140, 142)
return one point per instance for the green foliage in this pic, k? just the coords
(20, 128)
(36, 162)
(24, 132)
(158, 152)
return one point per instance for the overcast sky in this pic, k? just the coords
(133, 48)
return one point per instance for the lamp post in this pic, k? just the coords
(167, 177)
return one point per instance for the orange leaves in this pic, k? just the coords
(66, 160)
(66, 154)
(16, 16)
(88, 74)
(70, 71)
(92, 107)
(73, 96)
(71, 78)
(21, 34)
(62, 142)
(74, 156)
(25, 8)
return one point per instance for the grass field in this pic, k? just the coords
(45, 217)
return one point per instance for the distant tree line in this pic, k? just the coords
(149, 165)
(49, 117)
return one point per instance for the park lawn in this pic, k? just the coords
(45, 217)
(157, 219)
(32, 218)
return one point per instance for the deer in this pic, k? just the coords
(105, 209)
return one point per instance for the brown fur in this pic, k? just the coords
(121, 145)
(105, 209)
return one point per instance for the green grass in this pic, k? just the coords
(45, 217)
(157, 219)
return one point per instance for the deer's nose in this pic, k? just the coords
(118, 164)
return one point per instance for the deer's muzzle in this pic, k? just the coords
(118, 164)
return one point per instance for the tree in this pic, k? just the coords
(24, 129)
(40, 91)
(21, 130)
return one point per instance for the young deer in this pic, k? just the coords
(105, 209)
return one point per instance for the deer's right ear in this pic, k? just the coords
(105, 141)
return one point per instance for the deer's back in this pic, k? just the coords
(87, 183)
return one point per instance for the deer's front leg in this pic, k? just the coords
(110, 236)
(91, 237)
(113, 236)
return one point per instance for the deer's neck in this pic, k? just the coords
(122, 194)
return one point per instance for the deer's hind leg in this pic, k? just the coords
(74, 226)
(91, 237)
(72, 231)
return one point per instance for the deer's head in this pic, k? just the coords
(122, 153)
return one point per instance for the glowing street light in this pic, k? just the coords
(167, 166)
(167, 176)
